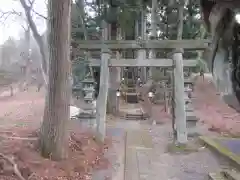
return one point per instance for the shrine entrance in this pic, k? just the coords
(110, 57)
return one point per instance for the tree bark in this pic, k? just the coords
(27, 58)
(54, 136)
(180, 19)
(153, 31)
(114, 79)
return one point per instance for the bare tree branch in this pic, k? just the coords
(40, 15)
(28, 9)
(31, 4)
(25, 28)
(15, 13)
(5, 15)
(15, 166)
(37, 37)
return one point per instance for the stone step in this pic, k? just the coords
(86, 116)
(216, 176)
(191, 116)
(141, 116)
(186, 98)
(231, 175)
(192, 120)
(189, 107)
(132, 98)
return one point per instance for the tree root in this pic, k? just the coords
(15, 167)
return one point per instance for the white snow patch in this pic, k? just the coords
(74, 111)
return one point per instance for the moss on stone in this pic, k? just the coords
(213, 143)
(182, 148)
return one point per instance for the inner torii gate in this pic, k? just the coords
(176, 62)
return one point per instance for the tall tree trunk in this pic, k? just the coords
(54, 136)
(142, 53)
(153, 30)
(180, 19)
(27, 58)
(114, 80)
(200, 58)
(38, 38)
(80, 5)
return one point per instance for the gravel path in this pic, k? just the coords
(164, 165)
(157, 163)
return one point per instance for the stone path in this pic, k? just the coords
(130, 108)
(135, 140)
(146, 156)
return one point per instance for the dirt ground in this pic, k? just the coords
(20, 118)
(213, 112)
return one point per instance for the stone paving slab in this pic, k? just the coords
(136, 140)
(115, 131)
(144, 161)
(131, 164)
(146, 156)
(227, 147)
(115, 155)
(139, 138)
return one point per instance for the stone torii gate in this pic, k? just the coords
(176, 62)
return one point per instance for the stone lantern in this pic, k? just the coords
(89, 97)
(88, 88)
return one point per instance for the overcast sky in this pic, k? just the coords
(12, 26)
